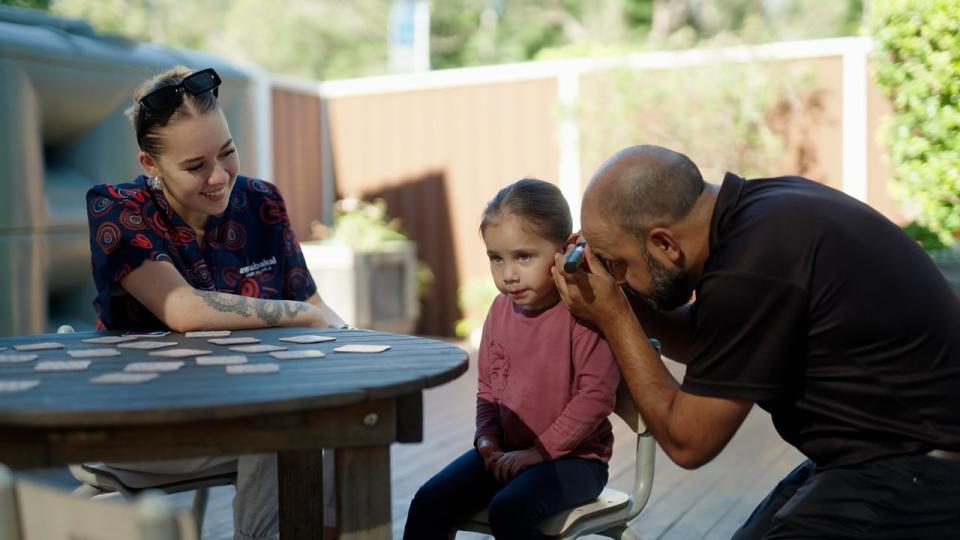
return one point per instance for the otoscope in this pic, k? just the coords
(575, 259)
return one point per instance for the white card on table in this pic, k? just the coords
(120, 377)
(9, 387)
(209, 333)
(223, 360)
(152, 367)
(257, 348)
(245, 369)
(62, 365)
(147, 345)
(11, 358)
(39, 346)
(297, 355)
(147, 333)
(307, 339)
(93, 353)
(361, 348)
(110, 340)
(233, 340)
(180, 353)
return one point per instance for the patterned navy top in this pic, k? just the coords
(249, 250)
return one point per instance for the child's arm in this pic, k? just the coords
(487, 437)
(597, 378)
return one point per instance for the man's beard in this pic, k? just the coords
(668, 287)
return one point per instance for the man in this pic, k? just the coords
(808, 303)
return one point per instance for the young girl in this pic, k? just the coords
(546, 386)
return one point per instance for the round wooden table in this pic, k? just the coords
(357, 403)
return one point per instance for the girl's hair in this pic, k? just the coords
(147, 125)
(539, 203)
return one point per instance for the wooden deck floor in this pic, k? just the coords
(709, 503)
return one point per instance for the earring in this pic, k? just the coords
(155, 183)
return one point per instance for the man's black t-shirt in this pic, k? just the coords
(831, 318)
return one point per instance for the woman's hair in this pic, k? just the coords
(147, 125)
(540, 204)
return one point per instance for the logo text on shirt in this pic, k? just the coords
(258, 268)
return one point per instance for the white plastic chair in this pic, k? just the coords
(609, 514)
(33, 511)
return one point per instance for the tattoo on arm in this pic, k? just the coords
(268, 311)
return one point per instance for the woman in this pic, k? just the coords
(192, 245)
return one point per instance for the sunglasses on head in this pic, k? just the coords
(163, 101)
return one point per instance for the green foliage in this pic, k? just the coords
(325, 39)
(475, 298)
(719, 114)
(918, 66)
(362, 225)
(27, 4)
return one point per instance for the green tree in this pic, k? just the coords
(918, 66)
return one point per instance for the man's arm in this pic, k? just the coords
(691, 429)
(182, 308)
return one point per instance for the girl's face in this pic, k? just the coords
(520, 261)
(198, 166)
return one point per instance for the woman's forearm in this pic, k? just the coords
(192, 309)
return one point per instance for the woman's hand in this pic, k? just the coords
(490, 452)
(512, 463)
(593, 296)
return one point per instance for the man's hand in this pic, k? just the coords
(511, 463)
(592, 296)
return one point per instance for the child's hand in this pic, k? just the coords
(512, 463)
(490, 453)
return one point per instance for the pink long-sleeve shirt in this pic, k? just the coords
(545, 380)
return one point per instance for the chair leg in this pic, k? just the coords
(200, 497)
(620, 532)
(87, 491)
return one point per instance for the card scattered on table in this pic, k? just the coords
(223, 360)
(9, 387)
(233, 340)
(147, 345)
(153, 333)
(93, 353)
(307, 339)
(62, 365)
(297, 355)
(360, 348)
(10, 358)
(152, 367)
(253, 349)
(246, 369)
(39, 346)
(180, 353)
(120, 377)
(209, 333)
(110, 340)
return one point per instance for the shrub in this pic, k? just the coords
(918, 67)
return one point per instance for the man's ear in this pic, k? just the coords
(662, 239)
(148, 163)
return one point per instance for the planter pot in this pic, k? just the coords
(369, 289)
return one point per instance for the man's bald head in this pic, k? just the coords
(642, 187)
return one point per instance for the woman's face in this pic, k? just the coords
(198, 166)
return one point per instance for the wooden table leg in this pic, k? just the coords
(300, 476)
(363, 486)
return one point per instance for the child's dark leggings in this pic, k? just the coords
(516, 508)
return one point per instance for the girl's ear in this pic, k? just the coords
(148, 163)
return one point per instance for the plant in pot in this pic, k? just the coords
(365, 267)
